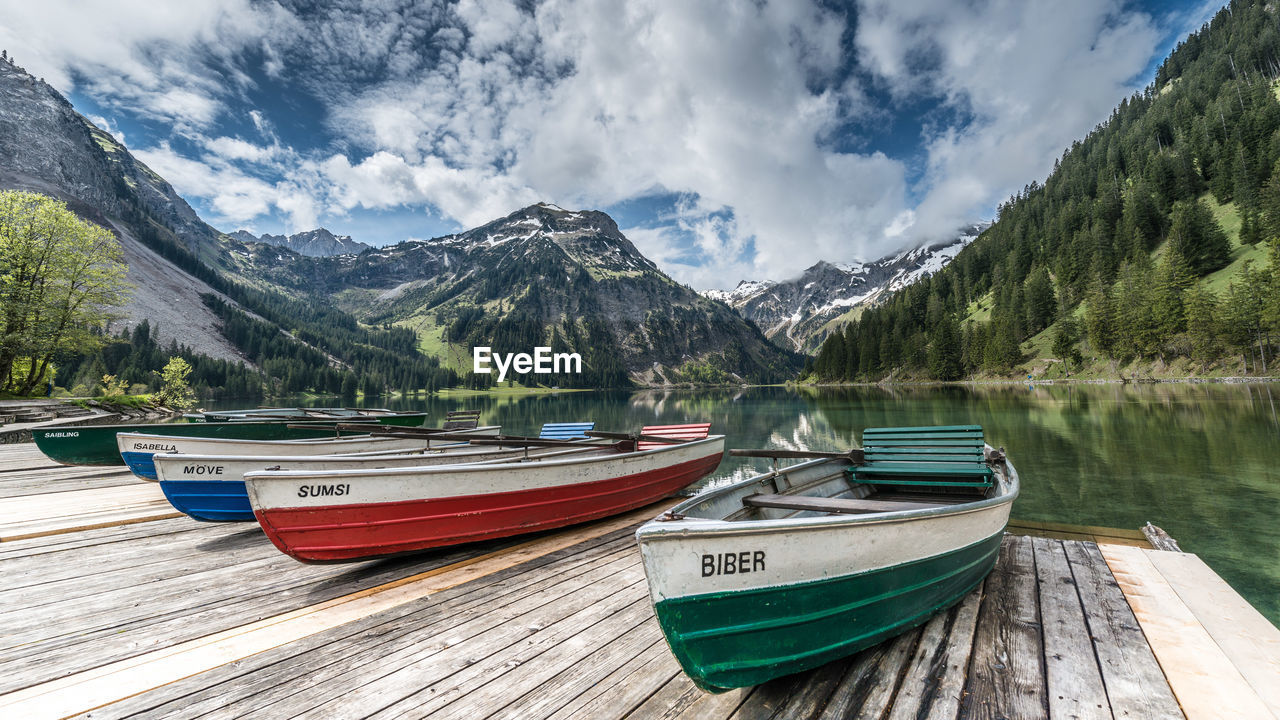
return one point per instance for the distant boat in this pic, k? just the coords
(96, 444)
(791, 569)
(345, 515)
(137, 449)
(286, 413)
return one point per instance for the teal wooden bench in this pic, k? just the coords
(940, 456)
(566, 431)
(461, 420)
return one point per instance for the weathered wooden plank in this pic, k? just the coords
(481, 688)
(428, 655)
(1202, 677)
(720, 706)
(376, 641)
(1075, 688)
(46, 505)
(934, 681)
(112, 682)
(150, 512)
(1006, 670)
(868, 688)
(373, 675)
(624, 690)
(1247, 638)
(1135, 685)
(768, 698)
(670, 701)
(63, 575)
(47, 546)
(29, 596)
(813, 690)
(571, 682)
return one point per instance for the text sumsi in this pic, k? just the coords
(541, 362)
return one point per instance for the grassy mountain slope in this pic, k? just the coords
(1140, 253)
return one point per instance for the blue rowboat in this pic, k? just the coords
(211, 487)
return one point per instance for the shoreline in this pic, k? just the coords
(1235, 380)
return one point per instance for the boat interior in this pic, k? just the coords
(897, 469)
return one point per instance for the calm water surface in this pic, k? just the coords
(1198, 460)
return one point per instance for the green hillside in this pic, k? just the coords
(1147, 250)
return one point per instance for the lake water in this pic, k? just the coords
(1201, 461)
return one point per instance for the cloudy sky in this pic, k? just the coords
(729, 139)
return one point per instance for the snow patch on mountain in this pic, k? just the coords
(800, 311)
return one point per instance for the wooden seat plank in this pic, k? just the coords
(922, 468)
(877, 456)
(692, 431)
(834, 505)
(923, 428)
(969, 437)
(922, 442)
(565, 431)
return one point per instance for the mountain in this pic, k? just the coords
(541, 276)
(313, 243)
(190, 284)
(801, 312)
(548, 276)
(1151, 250)
(46, 146)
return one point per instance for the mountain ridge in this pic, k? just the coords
(804, 310)
(319, 242)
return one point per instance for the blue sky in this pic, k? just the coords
(729, 140)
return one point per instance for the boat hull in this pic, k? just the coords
(209, 500)
(220, 496)
(139, 449)
(800, 626)
(401, 512)
(742, 601)
(96, 444)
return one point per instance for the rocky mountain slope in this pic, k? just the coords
(46, 146)
(543, 276)
(313, 243)
(800, 313)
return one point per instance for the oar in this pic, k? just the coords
(853, 456)
(435, 434)
(635, 437)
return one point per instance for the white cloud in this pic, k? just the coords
(621, 99)
(477, 107)
(236, 149)
(1034, 75)
(236, 197)
(138, 55)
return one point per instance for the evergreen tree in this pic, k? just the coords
(1196, 235)
(1041, 302)
(1202, 320)
(1100, 324)
(1065, 337)
(944, 350)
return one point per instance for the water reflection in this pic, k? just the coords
(1198, 460)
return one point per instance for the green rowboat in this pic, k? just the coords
(794, 568)
(96, 444)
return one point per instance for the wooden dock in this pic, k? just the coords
(146, 615)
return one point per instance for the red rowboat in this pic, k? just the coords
(341, 515)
